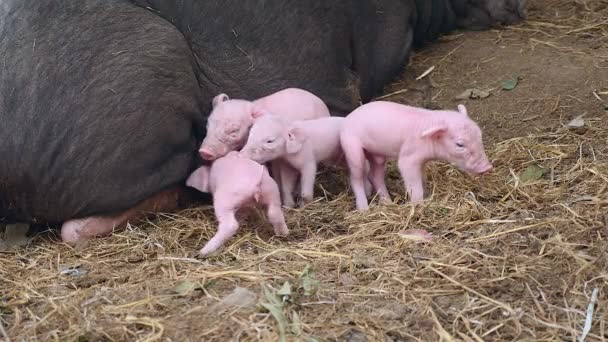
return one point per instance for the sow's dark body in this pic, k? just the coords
(99, 108)
(103, 102)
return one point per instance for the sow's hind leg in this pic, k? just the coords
(98, 226)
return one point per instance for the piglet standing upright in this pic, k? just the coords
(383, 130)
(300, 146)
(236, 182)
(230, 120)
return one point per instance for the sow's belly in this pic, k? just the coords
(58, 176)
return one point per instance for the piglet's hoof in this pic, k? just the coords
(203, 254)
(385, 201)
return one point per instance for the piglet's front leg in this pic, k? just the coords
(411, 172)
(308, 173)
(289, 179)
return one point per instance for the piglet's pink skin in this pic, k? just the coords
(236, 182)
(299, 146)
(382, 130)
(230, 120)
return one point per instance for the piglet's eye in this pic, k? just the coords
(461, 145)
(270, 140)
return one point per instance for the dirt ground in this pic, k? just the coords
(515, 255)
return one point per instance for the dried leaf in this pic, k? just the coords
(531, 173)
(14, 236)
(473, 93)
(577, 122)
(355, 336)
(417, 235)
(74, 271)
(186, 287)
(510, 84)
(240, 297)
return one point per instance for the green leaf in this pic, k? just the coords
(275, 307)
(510, 84)
(531, 173)
(285, 290)
(296, 324)
(309, 284)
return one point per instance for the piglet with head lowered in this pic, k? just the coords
(236, 182)
(230, 120)
(383, 130)
(299, 146)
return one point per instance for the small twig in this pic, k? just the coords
(392, 94)
(587, 27)
(493, 301)
(589, 317)
(510, 231)
(449, 53)
(192, 260)
(441, 330)
(3, 332)
(428, 71)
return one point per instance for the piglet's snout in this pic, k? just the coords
(487, 168)
(206, 153)
(482, 167)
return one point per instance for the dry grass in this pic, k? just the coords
(510, 259)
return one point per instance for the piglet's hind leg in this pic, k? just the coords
(271, 199)
(355, 157)
(377, 177)
(227, 228)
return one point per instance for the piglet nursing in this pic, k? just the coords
(230, 120)
(236, 182)
(382, 130)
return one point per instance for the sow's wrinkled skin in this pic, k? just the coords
(300, 146)
(236, 182)
(381, 130)
(230, 120)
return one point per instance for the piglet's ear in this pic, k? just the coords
(295, 140)
(463, 109)
(219, 99)
(257, 112)
(435, 132)
(199, 179)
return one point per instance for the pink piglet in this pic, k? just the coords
(299, 147)
(383, 130)
(237, 182)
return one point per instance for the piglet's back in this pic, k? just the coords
(235, 174)
(324, 133)
(372, 111)
(294, 104)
